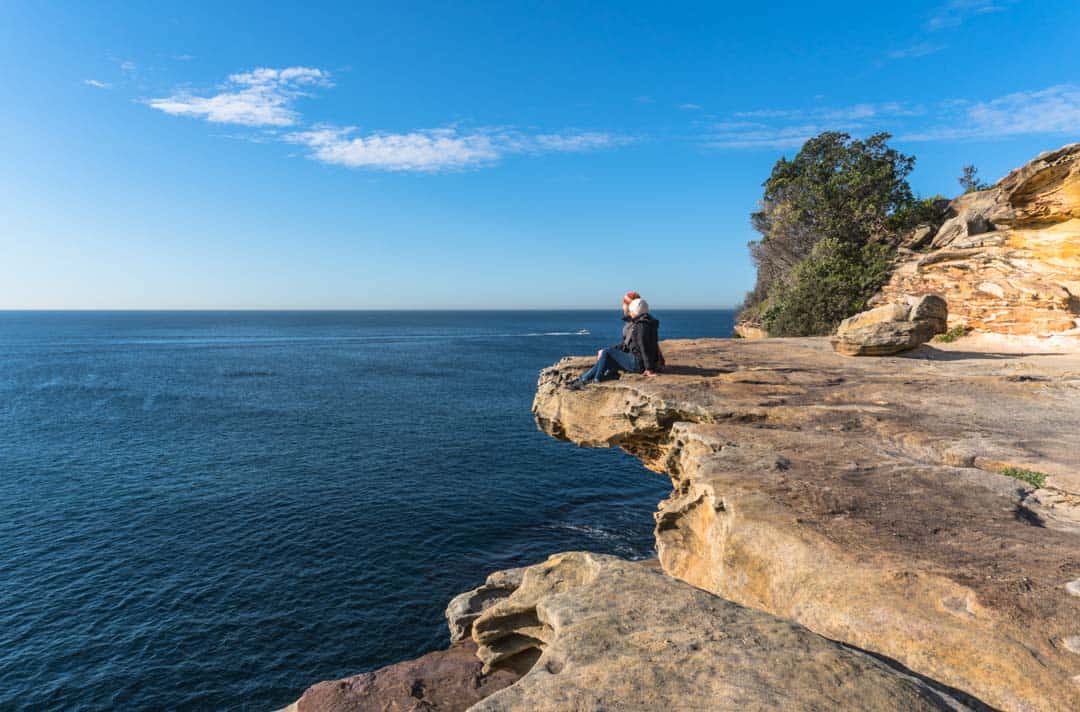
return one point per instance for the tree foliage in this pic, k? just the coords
(834, 281)
(851, 192)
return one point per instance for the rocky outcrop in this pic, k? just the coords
(863, 500)
(893, 328)
(467, 607)
(600, 633)
(746, 330)
(444, 681)
(1006, 259)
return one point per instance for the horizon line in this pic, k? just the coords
(343, 309)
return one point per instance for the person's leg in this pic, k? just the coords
(615, 360)
(591, 374)
(597, 371)
(603, 366)
(610, 362)
(625, 360)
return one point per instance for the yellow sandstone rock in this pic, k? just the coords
(862, 498)
(1008, 260)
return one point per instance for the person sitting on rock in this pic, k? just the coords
(628, 323)
(638, 352)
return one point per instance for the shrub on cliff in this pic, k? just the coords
(834, 281)
(850, 191)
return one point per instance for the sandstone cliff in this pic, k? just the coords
(862, 498)
(1006, 259)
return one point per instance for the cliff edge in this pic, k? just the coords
(865, 500)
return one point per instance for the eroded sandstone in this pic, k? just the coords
(601, 633)
(1007, 259)
(892, 328)
(861, 498)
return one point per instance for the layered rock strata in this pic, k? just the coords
(602, 633)
(1006, 259)
(861, 498)
(893, 328)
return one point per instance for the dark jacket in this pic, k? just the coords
(627, 325)
(641, 338)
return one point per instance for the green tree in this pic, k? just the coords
(834, 281)
(850, 191)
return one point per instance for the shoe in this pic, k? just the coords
(575, 386)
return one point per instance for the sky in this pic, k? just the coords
(474, 155)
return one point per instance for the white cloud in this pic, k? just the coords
(690, 107)
(262, 97)
(127, 66)
(957, 12)
(96, 83)
(434, 150)
(265, 98)
(429, 150)
(1054, 110)
(573, 142)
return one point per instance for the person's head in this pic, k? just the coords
(638, 307)
(627, 298)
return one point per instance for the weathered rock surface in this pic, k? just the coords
(444, 681)
(747, 330)
(1007, 259)
(892, 328)
(465, 608)
(600, 633)
(860, 497)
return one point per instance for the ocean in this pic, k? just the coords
(214, 510)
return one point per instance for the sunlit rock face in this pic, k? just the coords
(593, 632)
(1006, 259)
(862, 498)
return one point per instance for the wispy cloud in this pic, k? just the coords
(262, 97)
(854, 112)
(919, 49)
(434, 150)
(97, 84)
(1054, 110)
(690, 107)
(429, 150)
(127, 66)
(265, 99)
(957, 12)
(786, 128)
(950, 15)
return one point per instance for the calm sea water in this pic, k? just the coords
(209, 511)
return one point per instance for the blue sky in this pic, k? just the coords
(258, 155)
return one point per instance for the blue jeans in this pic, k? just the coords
(611, 361)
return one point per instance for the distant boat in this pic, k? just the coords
(583, 332)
